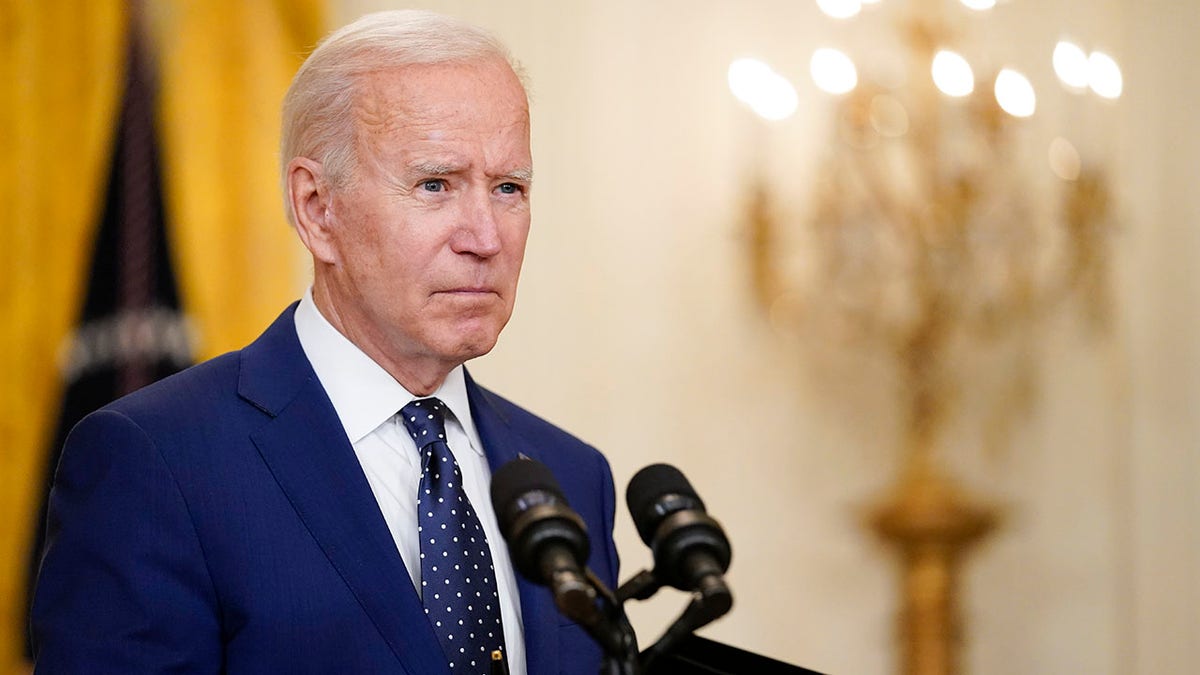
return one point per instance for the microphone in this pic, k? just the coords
(549, 545)
(691, 551)
(547, 539)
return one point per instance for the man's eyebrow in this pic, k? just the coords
(524, 174)
(434, 168)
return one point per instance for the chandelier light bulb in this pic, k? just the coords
(746, 77)
(768, 93)
(1104, 75)
(832, 71)
(840, 9)
(979, 4)
(1071, 65)
(888, 116)
(1064, 159)
(1015, 94)
(952, 74)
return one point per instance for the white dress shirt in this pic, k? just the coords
(367, 400)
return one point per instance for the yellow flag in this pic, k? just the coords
(223, 66)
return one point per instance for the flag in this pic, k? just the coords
(220, 68)
(131, 331)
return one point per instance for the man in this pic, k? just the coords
(272, 510)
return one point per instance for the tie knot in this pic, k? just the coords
(425, 420)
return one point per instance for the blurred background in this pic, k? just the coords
(907, 288)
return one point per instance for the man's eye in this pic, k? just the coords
(509, 188)
(434, 185)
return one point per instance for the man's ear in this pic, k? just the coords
(311, 200)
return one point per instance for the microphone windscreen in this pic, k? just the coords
(535, 518)
(650, 485)
(519, 477)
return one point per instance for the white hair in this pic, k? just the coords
(318, 117)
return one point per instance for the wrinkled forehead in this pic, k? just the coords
(476, 92)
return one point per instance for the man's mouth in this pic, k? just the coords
(469, 291)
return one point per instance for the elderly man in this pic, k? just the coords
(317, 502)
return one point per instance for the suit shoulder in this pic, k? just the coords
(537, 429)
(197, 390)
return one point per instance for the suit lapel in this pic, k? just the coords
(308, 453)
(538, 612)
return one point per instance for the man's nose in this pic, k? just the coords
(478, 232)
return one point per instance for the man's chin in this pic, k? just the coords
(470, 343)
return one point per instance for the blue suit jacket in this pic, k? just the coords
(219, 521)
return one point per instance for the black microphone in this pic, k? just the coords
(691, 551)
(547, 539)
(549, 545)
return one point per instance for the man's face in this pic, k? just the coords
(430, 231)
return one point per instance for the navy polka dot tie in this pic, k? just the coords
(458, 581)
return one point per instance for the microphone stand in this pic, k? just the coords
(711, 601)
(624, 662)
(603, 618)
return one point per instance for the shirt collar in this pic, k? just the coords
(363, 394)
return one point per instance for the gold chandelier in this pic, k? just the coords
(932, 241)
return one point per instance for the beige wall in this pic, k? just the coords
(1162, 296)
(636, 331)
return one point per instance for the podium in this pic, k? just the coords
(700, 656)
